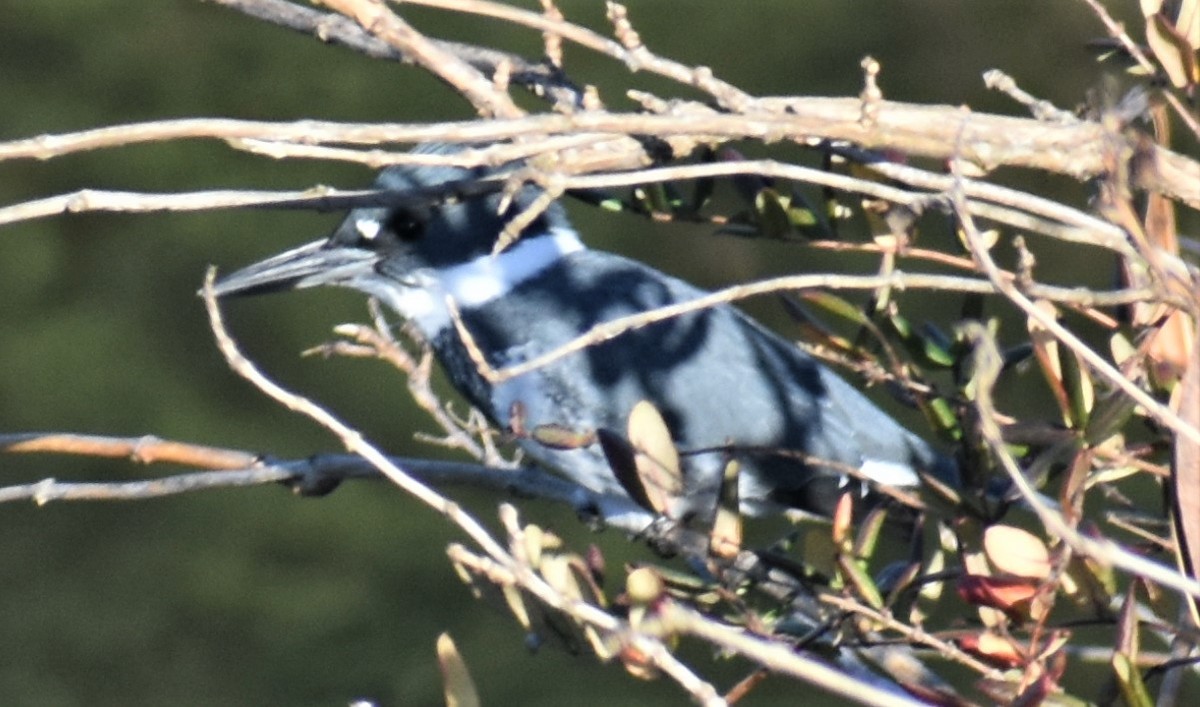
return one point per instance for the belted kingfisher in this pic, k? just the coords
(726, 386)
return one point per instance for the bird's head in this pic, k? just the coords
(439, 218)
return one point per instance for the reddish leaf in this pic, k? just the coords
(993, 648)
(1006, 594)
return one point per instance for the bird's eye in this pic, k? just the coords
(405, 225)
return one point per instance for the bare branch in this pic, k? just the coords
(779, 658)
(989, 141)
(1106, 551)
(315, 475)
(50, 490)
(142, 450)
(897, 280)
(539, 77)
(1157, 410)
(376, 18)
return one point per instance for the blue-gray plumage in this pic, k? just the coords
(721, 381)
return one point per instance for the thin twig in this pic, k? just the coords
(351, 439)
(378, 342)
(987, 366)
(913, 634)
(1117, 32)
(540, 78)
(625, 49)
(898, 280)
(146, 449)
(375, 17)
(1155, 409)
(616, 629)
(50, 490)
(778, 657)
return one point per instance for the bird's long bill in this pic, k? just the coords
(311, 265)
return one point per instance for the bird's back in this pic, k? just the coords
(720, 380)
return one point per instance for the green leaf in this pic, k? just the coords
(1133, 688)
(938, 349)
(922, 347)
(1109, 417)
(772, 214)
(944, 418)
(808, 219)
(1078, 383)
(857, 577)
(901, 326)
(868, 533)
(653, 197)
(835, 305)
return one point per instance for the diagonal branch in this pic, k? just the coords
(375, 17)
(541, 78)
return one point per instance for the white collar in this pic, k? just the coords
(477, 281)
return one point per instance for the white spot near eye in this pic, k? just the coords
(368, 228)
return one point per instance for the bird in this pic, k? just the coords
(725, 386)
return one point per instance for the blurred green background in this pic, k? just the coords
(255, 596)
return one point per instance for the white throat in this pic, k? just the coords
(478, 281)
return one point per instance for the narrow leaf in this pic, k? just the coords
(1081, 394)
(656, 459)
(456, 679)
(772, 213)
(561, 437)
(868, 533)
(1185, 474)
(621, 459)
(835, 305)
(1133, 688)
(725, 540)
(858, 578)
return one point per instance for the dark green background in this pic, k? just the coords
(254, 596)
